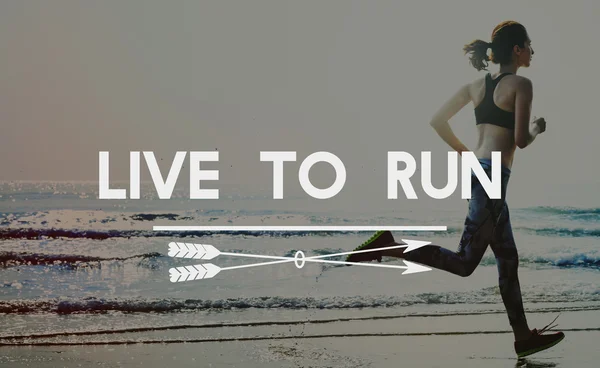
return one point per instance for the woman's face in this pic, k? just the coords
(524, 54)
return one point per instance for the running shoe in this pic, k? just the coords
(538, 341)
(380, 239)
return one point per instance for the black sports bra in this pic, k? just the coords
(487, 112)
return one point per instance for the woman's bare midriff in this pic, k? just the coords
(494, 138)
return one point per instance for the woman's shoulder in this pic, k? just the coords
(480, 80)
(518, 80)
(513, 78)
(511, 83)
(477, 86)
(519, 84)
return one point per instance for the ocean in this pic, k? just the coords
(78, 270)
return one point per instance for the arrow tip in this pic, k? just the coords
(414, 268)
(414, 244)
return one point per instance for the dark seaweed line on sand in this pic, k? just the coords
(279, 323)
(258, 338)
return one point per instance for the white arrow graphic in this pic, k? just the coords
(207, 251)
(209, 270)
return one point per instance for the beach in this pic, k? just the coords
(442, 341)
(86, 285)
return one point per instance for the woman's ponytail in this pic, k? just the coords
(478, 50)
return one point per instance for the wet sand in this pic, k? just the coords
(448, 341)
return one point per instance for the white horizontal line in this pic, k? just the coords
(299, 228)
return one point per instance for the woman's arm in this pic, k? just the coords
(440, 120)
(525, 132)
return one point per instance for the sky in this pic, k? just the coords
(354, 78)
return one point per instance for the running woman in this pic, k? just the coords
(502, 104)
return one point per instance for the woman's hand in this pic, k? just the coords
(537, 126)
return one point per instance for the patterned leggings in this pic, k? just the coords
(487, 223)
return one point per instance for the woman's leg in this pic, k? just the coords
(472, 248)
(505, 250)
(476, 236)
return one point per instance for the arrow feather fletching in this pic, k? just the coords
(196, 272)
(190, 250)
